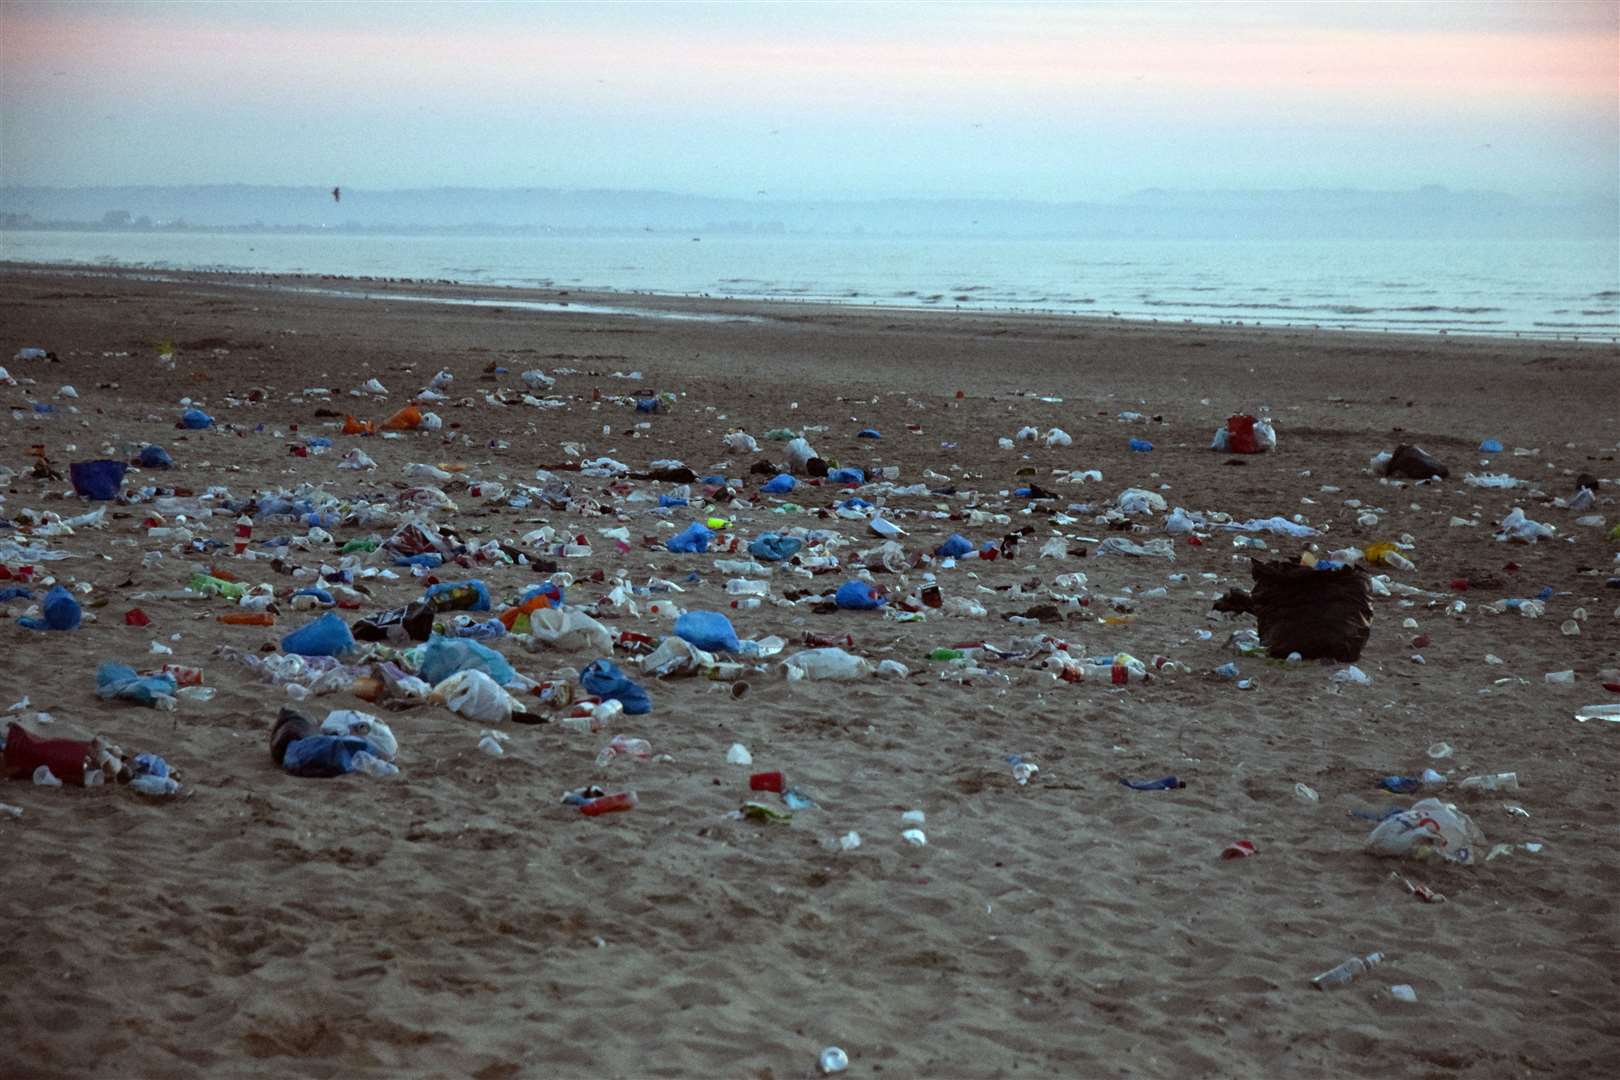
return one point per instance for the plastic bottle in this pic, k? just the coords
(1598, 712)
(1022, 770)
(747, 587)
(366, 762)
(156, 786)
(624, 746)
(833, 1060)
(1347, 972)
(747, 602)
(1503, 781)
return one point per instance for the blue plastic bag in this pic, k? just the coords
(58, 611)
(442, 657)
(855, 502)
(458, 596)
(1140, 446)
(846, 476)
(708, 630)
(774, 547)
(15, 592)
(1491, 446)
(326, 636)
(868, 433)
(858, 596)
(154, 457)
(196, 420)
(325, 598)
(98, 480)
(672, 500)
(427, 560)
(780, 484)
(604, 679)
(323, 755)
(548, 589)
(955, 546)
(120, 681)
(149, 765)
(647, 405)
(692, 539)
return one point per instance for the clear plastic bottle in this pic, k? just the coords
(1502, 781)
(1347, 972)
(747, 587)
(372, 765)
(158, 786)
(624, 746)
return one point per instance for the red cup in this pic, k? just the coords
(767, 781)
(1240, 849)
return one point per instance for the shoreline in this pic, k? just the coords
(665, 304)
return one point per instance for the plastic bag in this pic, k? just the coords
(676, 656)
(58, 611)
(799, 455)
(708, 630)
(326, 636)
(442, 657)
(473, 694)
(604, 679)
(955, 546)
(1415, 463)
(858, 596)
(154, 457)
(780, 484)
(570, 631)
(829, 663)
(692, 539)
(774, 547)
(458, 596)
(196, 420)
(1429, 828)
(1118, 545)
(98, 480)
(1139, 501)
(117, 681)
(378, 735)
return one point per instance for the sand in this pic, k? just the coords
(458, 921)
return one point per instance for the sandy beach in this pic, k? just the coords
(458, 920)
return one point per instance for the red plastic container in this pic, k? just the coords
(767, 781)
(26, 752)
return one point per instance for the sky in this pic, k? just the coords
(1072, 101)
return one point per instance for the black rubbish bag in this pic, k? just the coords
(1320, 614)
(1414, 463)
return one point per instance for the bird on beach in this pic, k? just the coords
(337, 194)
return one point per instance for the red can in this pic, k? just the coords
(767, 781)
(608, 804)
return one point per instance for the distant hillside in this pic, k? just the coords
(1426, 212)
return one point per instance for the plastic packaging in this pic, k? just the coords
(472, 693)
(442, 657)
(58, 611)
(624, 746)
(326, 636)
(707, 630)
(1429, 827)
(858, 596)
(693, 539)
(610, 804)
(116, 681)
(604, 679)
(98, 480)
(1505, 781)
(826, 663)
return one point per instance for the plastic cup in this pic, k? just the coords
(767, 781)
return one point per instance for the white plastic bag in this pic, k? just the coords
(570, 631)
(476, 696)
(799, 453)
(1429, 828)
(377, 734)
(676, 656)
(740, 442)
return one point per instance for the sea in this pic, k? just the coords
(1564, 289)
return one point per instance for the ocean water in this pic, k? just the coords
(1545, 288)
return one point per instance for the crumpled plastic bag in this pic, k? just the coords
(352, 722)
(570, 631)
(1320, 614)
(676, 656)
(693, 539)
(1521, 530)
(1139, 501)
(1278, 526)
(58, 611)
(118, 681)
(774, 547)
(1414, 463)
(780, 484)
(473, 694)
(831, 664)
(858, 596)
(442, 657)
(800, 455)
(740, 442)
(326, 636)
(708, 630)
(1118, 545)
(1430, 828)
(604, 679)
(955, 546)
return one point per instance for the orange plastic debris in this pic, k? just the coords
(351, 426)
(407, 419)
(248, 618)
